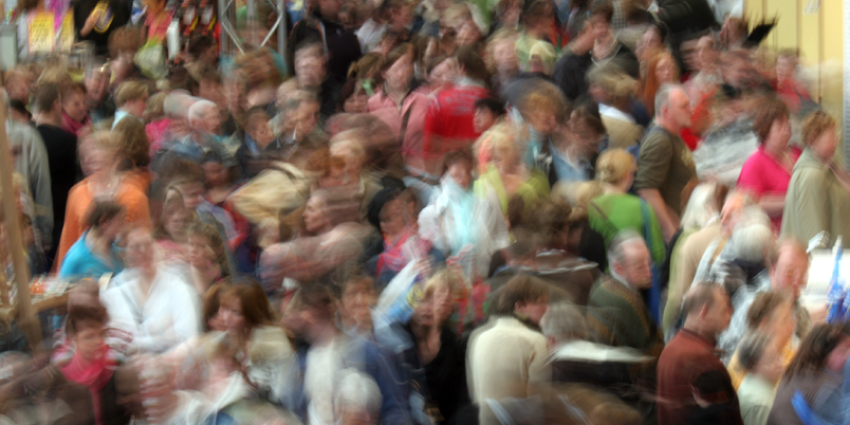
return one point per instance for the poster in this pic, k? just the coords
(42, 31)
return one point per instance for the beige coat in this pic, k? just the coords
(816, 201)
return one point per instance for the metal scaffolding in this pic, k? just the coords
(230, 38)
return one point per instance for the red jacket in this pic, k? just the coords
(448, 124)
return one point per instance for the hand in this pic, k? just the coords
(90, 22)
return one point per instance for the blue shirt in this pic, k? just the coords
(566, 169)
(80, 262)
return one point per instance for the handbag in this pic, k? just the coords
(151, 60)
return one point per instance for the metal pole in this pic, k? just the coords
(282, 34)
(27, 318)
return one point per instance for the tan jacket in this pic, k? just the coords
(816, 201)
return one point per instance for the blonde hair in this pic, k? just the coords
(613, 165)
(814, 125)
(103, 140)
(448, 278)
(130, 90)
(614, 83)
(502, 35)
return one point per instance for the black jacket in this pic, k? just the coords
(120, 16)
(570, 72)
(343, 46)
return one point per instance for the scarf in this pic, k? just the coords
(461, 204)
(409, 246)
(94, 374)
(72, 126)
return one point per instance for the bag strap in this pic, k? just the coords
(404, 119)
(604, 217)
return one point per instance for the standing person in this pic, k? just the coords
(689, 360)
(606, 48)
(665, 164)
(509, 359)
(767, 172)
(323, 26)
(819, 192)
(95, 21)
(762, 362)
(100, 102)
(94, 255)
(61, 149)
(660, 70)
(75, 114)
(131, 97)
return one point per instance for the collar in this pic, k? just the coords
(710, 344)
(613, 112)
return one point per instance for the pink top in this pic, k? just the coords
(763, 175)
(385, 108)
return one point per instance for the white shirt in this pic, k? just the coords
(610, 111)
(370, 35)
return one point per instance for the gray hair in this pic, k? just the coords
(662, 96)
(177, 104)
(199, 108)
(616, 250)
(752, 239)
(700, 208)
(357, 391)
(564, 322)
(751, 349)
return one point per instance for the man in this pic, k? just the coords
(688, 365)
(132, 99)
(311, 74)
(665, 165)
(571, 69)
(393, 16)
(204, 122)
(341, 46)
(616, 311)
(606, 48)
(508, 358)
(101, 103)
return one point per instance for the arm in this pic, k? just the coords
(668, 222)
(772, 205)
(539, 373)
(656, 153)
(810, 215)
(658, 248)
(39, 178)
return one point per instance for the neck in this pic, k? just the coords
(421, 333)
(396, 94)
(696, 327)
(50, 118)
(663, 123)
(773, 149)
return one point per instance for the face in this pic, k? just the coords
(392, 217)
(401, 17)
(314, 215)
(770, 365)
(230, 312)
(719, 315)
(786, 67)
(200, 252)
(214, 173)
(599, 26)
(193, 195)
(95, 159)
(310, 71)
(707, 54)
(306, 118)
(468, 35)
(791, 273)
(357, 103)
(825, 144)
(18, 88)
(635, 268)
(261, 133)
(330, 8)
(399, 74)
(357, 301)
(89, 338)
(585, 136)
(112, 228)
(544, 122)
(96, 86)
(651, 39)
(461, 173)
(75, 106)
(137, 107)
(444, 73)
(534, 310)
(175, 224)
(211, 122)
(665, 71)
(780, 134)
(504, 55)
(678, 110)
(483, 120)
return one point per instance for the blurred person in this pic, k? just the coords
(311, 72)
(170, 230)
(574, 152)
(61, 148)
(94, 255)
(202, 55)
(105, 158)
(771, 313)
(689, 358)
(97, 21)
(613, 91)
(606, 48)
(542, 58)
(582, 240)
(660, 70)
(789, 87)
(136, 147)
(536, 18)
(819, 192)
(176, 109)
(349, 182)
(156, 122)
(131, 99)
(18, 112)
(358, 399)
(357, 299)
(18, 84)
(397, 19)
(502, 57)
(665, 164)
(489, 111)
(260, 145)
(353, 98)
(457, 220)
(508, 358)
(571, 69)
(402, 105)
(652, 41)
(301, 135)
(441, 72)
(204, 122)
(101, 104)
(206, 256)
(449, 121)
(75, 114)
(542, 108)
(617, 210)
(814, 378)
(152, 303)
(761, 360)
(323, 26)
(709, 76)
(767, 172)
(616, 311)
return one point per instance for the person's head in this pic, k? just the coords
(441, 71)
(601, 15)
(17, 83)
(628, 258)
(173, 220)
(123, 44)
(790, 271)
(86, 328)
(525, 296)
(210, 86)
(176, 108)
(672, 108)
(316, 307)
(773, 314)
(347, 151)
(206, 248)
(98, 151)
(488, 110)
(257, 126)
(317, 220)
(357, 298)
(471, 64)
(244, 307)
(303, 112)
(310, 65)
(701, 206)
(664, 69)
(825, 348)
(189, 182)
(203, 48)
(74, 101)
(707, 51)
(758, 354)
(562, 323)
(536, 15)
(358, 399)
(139, 251)
(609, 85)
(736, 67)
(587, 127)
(353, 98)
(752, 239)
(652, 41)
(786, 65)
(215, 173)
(47, 99)
(204, 117)
(438, 297)
(330, 8)
(772, 125)
(616, 167)
(458, 165)
(106, 218)
(132, 97)
(707, 309)
(134, 142)
(585, 38)
(96, 82)
(156, 107)
(504, 153)
(541, 58)
(211, 306)
(818, 134)
(397, 70)
(543, 107)
(501, 52)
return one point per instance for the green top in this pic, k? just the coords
(623, 211)
(619, 317)
(536, 187)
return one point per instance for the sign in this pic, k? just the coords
(42, 32)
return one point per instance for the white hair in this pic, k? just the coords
(752, 239)
(662, 96)
(700, 208)
(616, 250)
(177, 104)
(564, 322)
(199, 109)
(357, 391)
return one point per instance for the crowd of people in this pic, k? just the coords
(425, 212)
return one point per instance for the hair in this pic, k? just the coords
(210, 232)
(79, 315)
(473, 65)
(101, 212)
(199, 108)
(520, 289)
(130, 90)
(170, 206)
(815, 349)
(255, 305)
(134, 141)
(590, 117)
(448, 278)
(211, 75)
(156, 107)
(397, 53)
(198, 44)
(815, 124)
(700, 295)
(751, 349)
(616, 249)
(613, 165)
(46, 95)
(351, 87)
(662, 96)
(698, 210)
(124, 39)
(177, 104)
(536, 9)
(367, 64)
(253, 113)
(501, 35)
(612, 80)
(769, 112)
(564, 322)
(604, 9)
(211, 302)
(545, 96)
(752, 239)
(493, 104)
(67, 90)
(456, 156)
(651, 84)
(357, 391)
(317, 297)
(550, 219)
(763, 306)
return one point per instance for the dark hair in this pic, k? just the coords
(103, 211)
(209, 231)
(68, 89)
(763, 306)
(254, 111)
(351, 87)
(604, 8)
(434, 62)
(751, 349)
(396, 54)
(252, 299)
(473, 65)
(815, 348)
(317, 297)
(20, 107)
(550, 218)
(661, 27)
(520, 289)
(592, 121)
(495, 105)
(198, 44)
(79, 315)
(211, 75)
(536, 9)
(211, 302)
(701, 295)
(769, 112)
(46, 94)
(455, 156)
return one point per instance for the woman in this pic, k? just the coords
(353, 98)
(93, 254)
(75, 109)
(263, 348)
(206, 256)
(95, 20)
(170, 232)
(812, 384)
(401, 105)
(136, 148)
(439, 349)
(767, 172)
(103, 156)
(660, 69)
(617, 210)
(818, 197)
